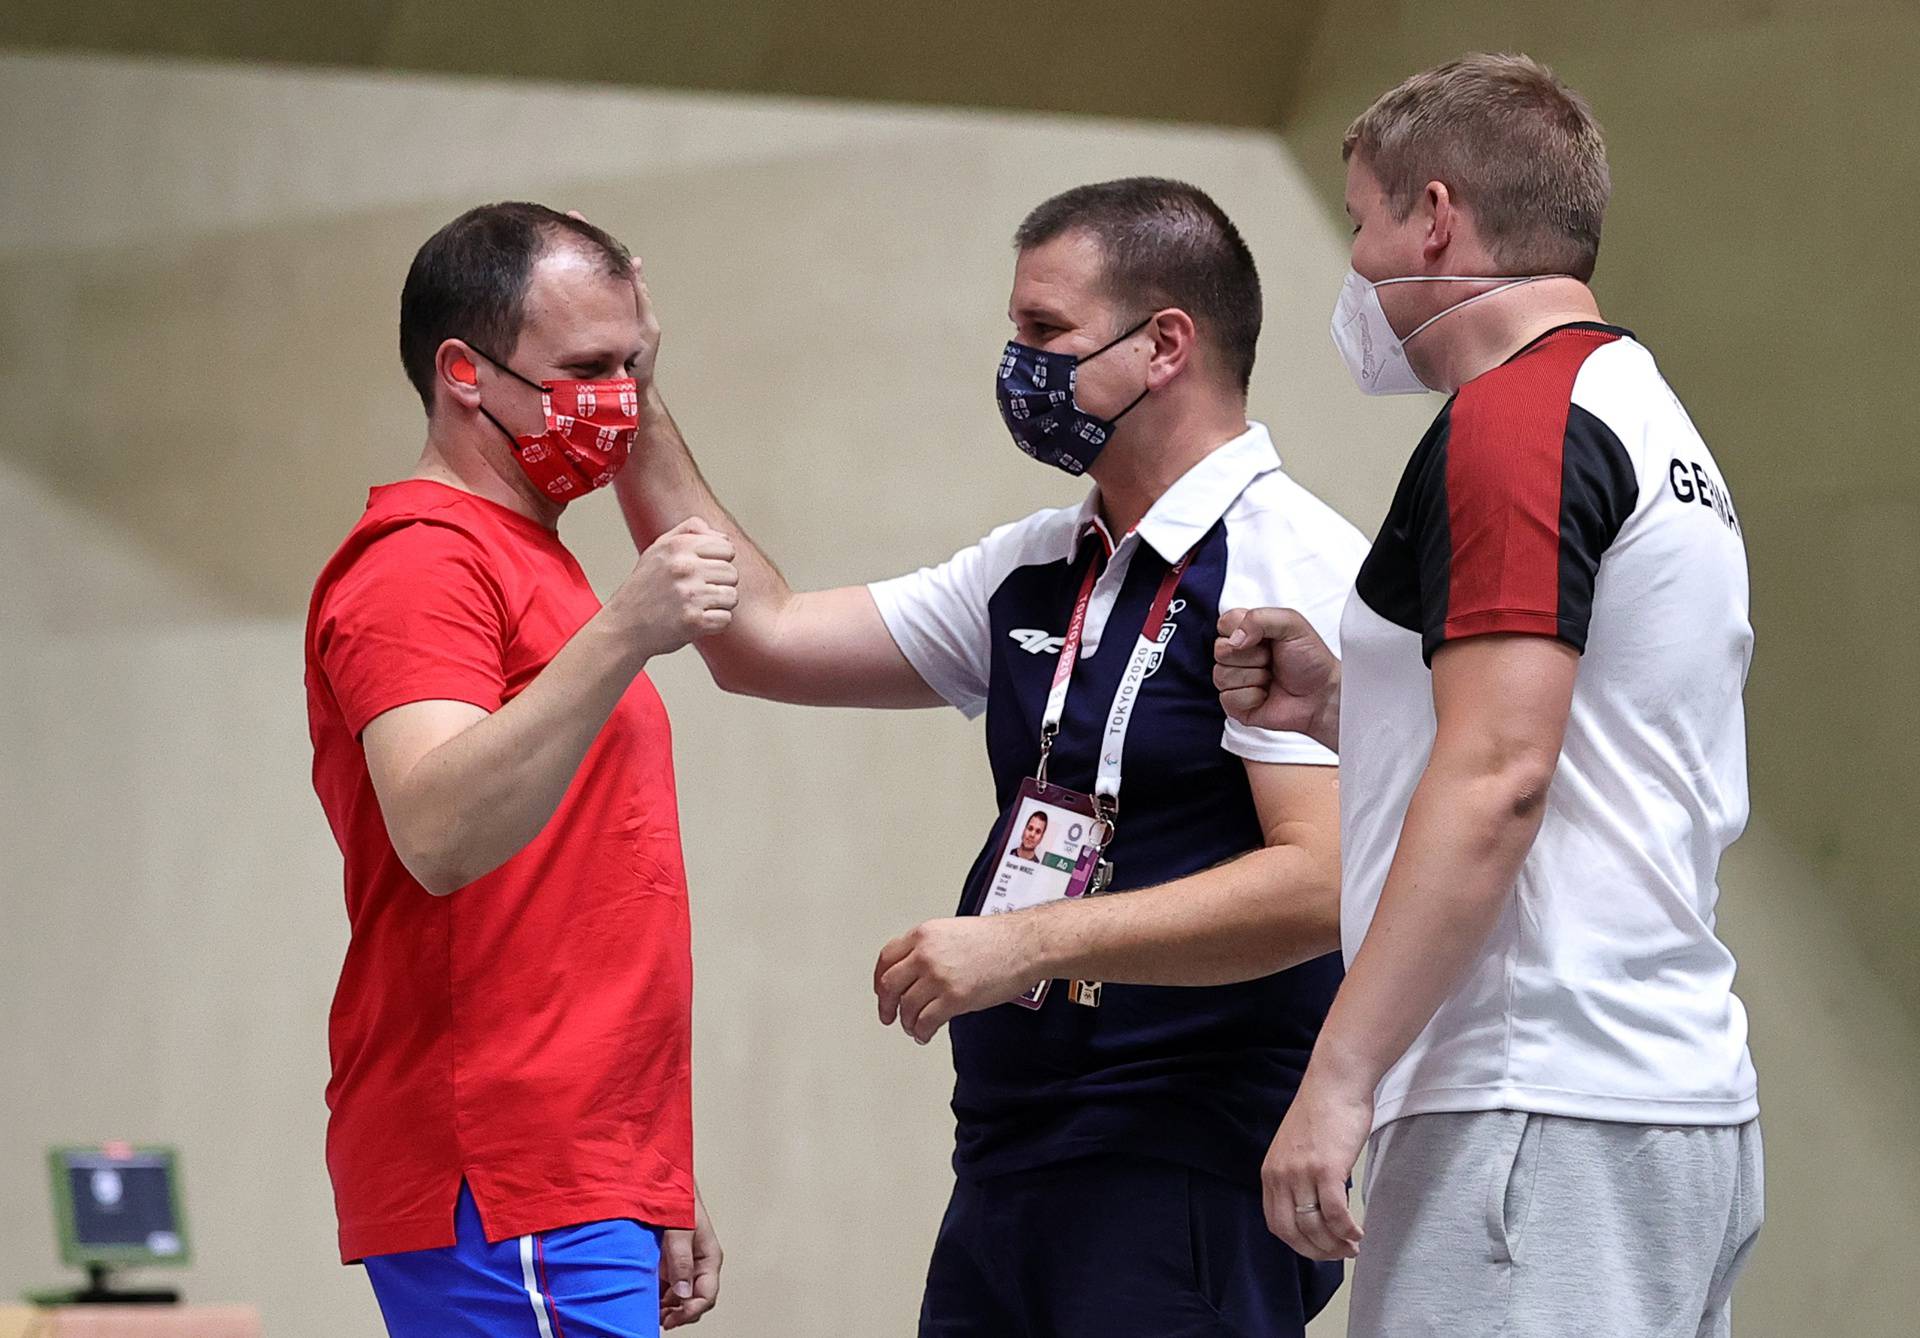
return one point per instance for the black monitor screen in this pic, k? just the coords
(124, 1202)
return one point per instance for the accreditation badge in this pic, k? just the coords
(1049, 845)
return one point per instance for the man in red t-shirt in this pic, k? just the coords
(511, 1104)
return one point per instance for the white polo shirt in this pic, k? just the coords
(1195, 1075)
(1566, 494)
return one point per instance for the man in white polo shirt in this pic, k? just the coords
(1109, 1122)
(1542, 753)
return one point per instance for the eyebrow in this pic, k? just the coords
(1038, 316)
(595, 358)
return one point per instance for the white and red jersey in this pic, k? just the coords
(1566, 493)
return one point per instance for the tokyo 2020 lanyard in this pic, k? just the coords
(1146, 655)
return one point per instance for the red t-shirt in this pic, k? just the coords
(531, 1032)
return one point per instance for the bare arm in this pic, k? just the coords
(818, 648)
(1269, 910)
(463, 790)
(1501, 705)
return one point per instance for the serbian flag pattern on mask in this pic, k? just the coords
(590, 430)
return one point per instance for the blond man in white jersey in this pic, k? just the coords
(1542, 755)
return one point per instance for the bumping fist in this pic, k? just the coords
(684, 587)
(1274, 672)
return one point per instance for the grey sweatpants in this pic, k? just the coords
(1537, 1226)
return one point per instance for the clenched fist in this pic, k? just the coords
(684, 587)
(1274, 672)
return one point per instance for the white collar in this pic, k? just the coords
(1197, 499)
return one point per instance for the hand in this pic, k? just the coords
(1304, 1179)
(948, 967)
(684, 587)
(649, 323)
(689, 1270)
(1274, 672)
(649, 329)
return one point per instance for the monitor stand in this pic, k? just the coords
(101, 1291)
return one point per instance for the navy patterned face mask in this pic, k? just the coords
(1035, 390)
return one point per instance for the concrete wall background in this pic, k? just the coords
(205, 384)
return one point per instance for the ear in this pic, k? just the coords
(1174, 342)
(1442, 219)
(458, 373)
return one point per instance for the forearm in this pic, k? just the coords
(478, 799)
(1269, 910)
(1466, 833)
(661, 487)
(1326, 722)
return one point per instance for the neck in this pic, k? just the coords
(1133, 473)
(457, 459)
(1487, 333)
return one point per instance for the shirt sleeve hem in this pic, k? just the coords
(422, 690)
(1486, 622)
(1285, 749)
(969, 704)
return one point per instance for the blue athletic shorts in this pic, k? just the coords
(599, 1280)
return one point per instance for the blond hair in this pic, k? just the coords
(1514, 146)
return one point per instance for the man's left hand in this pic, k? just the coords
(689, 1270)
(948, 967)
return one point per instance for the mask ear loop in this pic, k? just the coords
(1129, 409)
(1077, 358)
(512, 441)
(1462, 305)
(508, 370)
(1125, 334)
(1109, 344)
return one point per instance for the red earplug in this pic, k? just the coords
(464, 372)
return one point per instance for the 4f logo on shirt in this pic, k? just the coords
(1036, 642)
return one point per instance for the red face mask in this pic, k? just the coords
(590, 427)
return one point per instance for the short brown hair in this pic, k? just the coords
(469, 280)
(1515, 146)
(1164, 244)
